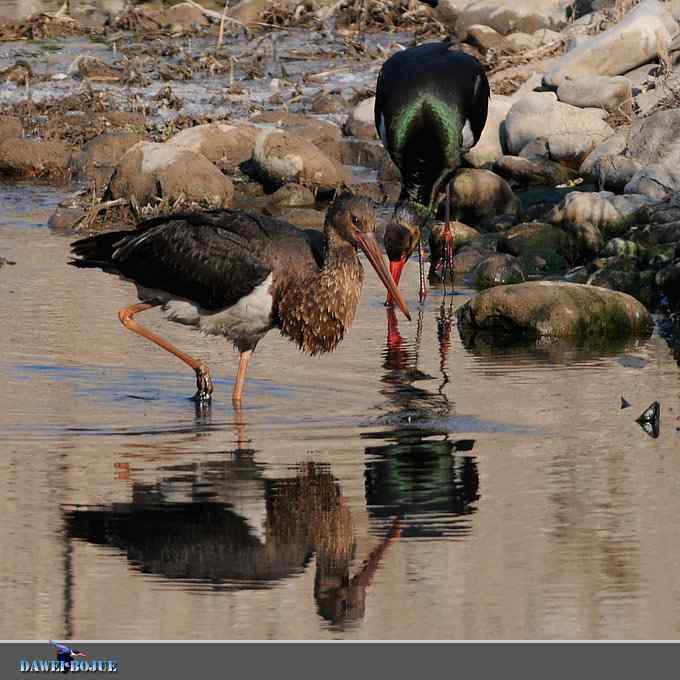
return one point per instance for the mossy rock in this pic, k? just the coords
(539, 246)
(497, 270)
(556, 309)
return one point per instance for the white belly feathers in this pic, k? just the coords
(250, 316)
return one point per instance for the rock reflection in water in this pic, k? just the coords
(202, 523)
(500, 347)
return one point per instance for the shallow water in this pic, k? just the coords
(411, 485)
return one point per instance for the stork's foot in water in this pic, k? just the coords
(444, 267)
(204, 384)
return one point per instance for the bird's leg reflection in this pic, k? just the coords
(445, 322)
(402, 374)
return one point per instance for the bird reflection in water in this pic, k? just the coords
(420, 474)
(224, 525)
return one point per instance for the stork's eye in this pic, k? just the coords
(356, 221)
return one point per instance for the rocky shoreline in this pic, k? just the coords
(270, 108)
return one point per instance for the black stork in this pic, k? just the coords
(239, 275)
(430, 109)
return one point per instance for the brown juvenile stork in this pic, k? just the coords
(230, 273)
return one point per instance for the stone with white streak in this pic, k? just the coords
(280, 158)
(148, 171)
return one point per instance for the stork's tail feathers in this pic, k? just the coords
(96, 251)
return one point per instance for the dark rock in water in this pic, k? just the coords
(650, 420)
(552, 309)
(625, 403)
(657, 234)
(630, 361)
(468, 257)
(536, 239)
(4, 261)
(622, 275)
(497, 270)
(66, 218)
(668, 281)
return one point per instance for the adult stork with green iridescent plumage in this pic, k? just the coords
(430, 109)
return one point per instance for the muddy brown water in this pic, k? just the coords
(411, 485)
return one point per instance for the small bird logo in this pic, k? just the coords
(66, 654)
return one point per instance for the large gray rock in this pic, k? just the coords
(489, 148)
(646, 31)
(654, 142)
(614, 146)
(221, 143)
(520, 15)
(557, 310)
(149, 171)
(610, 93)
(570, 132)
(281, 158)
(614, 173)
(656, 138)
(610, 213)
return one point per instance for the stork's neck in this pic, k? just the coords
(315, 311)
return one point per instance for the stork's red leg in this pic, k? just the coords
(422, 294)
(241, 377)
(204, 385)
(448, 239)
